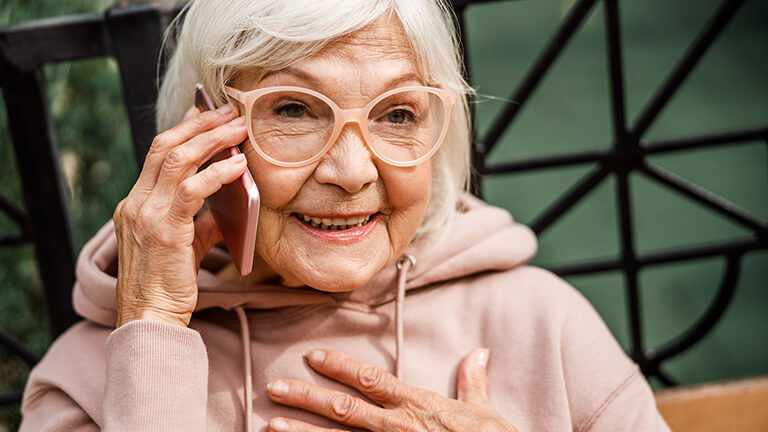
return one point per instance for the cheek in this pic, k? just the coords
(408, 194)
(277, 185)
(408, 187)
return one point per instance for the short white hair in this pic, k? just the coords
(216, 40)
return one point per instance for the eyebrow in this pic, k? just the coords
(306, 77)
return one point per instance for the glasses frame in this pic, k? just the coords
(342, 117)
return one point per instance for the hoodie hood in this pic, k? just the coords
(481, 238)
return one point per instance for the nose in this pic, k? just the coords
(349, 163)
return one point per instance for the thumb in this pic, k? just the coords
(207, 234)
(472, 381)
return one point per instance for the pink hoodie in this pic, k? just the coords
(553, 367)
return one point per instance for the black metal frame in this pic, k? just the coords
(628, 154)
(133, 36)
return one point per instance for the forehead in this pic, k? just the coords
(384, 38)
(366, 60)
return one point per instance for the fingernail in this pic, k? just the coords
(225, 109)
(238, 121)
(316, 356)
(482, 357)
(236, 159)
(277, 388)
(278, 425)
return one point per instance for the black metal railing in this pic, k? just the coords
(626, 155)
(133, 37)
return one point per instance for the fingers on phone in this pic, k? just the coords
(191, 112)
(184, 160)
(183, 132)
(194, 190)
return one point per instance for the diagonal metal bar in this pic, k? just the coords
(536, 163)
(702, 251)
(536, 74)
(18, 349)
(11, 397)
(661, 257)
(12, 239)
(690, 59)
(705, 197)
(588, 267)
(708, 320)
(698, 141)
(13, 211)
(566, 201)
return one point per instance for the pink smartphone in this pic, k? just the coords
(236, 205)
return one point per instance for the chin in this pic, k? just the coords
(341, 278)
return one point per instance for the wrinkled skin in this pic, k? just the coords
(348, 179)
(396, 407)
(161, 243)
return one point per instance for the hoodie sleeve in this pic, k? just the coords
(606, 390)
(157, 378)
(55, 411)
(630, 407)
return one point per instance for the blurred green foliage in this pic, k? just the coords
(98, 163)
(569, 111)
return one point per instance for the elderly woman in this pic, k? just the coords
(383, 298)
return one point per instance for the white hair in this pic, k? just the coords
(219, 39)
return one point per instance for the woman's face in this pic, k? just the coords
(348, 181)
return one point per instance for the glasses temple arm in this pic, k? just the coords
(233, 93)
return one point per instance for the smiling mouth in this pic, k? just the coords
(335, 224)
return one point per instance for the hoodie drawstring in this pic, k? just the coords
(245, 334)
(404, 263)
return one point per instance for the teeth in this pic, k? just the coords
(335, 224)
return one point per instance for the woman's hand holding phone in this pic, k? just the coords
(160, 243)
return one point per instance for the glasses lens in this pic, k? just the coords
(406, 125)
(291, 126)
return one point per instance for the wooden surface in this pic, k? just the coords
(729, 406)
